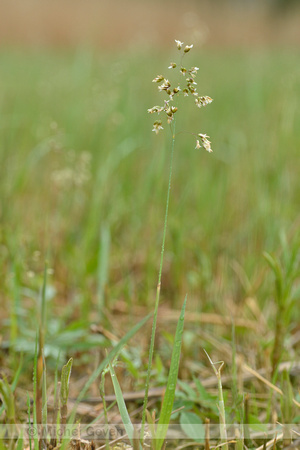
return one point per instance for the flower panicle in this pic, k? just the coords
(190, 89)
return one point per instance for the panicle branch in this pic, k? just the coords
(190, 89)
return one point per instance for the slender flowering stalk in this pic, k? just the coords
(169, 111)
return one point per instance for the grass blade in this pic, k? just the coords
(44, 397)
(103, 266)
(36, 442)
(121, 404)
(8, 400)
(64, 390)
(167, 405)
(29, 420)
(20, 441)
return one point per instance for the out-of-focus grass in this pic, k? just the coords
(78, 156)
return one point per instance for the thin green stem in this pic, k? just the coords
(151, 350)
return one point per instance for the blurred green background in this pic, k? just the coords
(83, 178)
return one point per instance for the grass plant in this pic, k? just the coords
(102, 221)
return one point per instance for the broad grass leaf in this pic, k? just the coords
(192, 426)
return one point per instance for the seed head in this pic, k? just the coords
(191, 81)
(203, 101)
(205, 142)
(187, 48)
(171, 92)
(155, 109)
(169, 111)
(206, 100)
(164, 86)
(193, 71)
(157, 126)
(158, 79)
(192, 89)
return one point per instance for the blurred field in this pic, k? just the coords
(119, 25)
(79, 163)
(83, 184)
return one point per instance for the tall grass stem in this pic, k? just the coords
(151, 349)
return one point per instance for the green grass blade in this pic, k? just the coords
(29, 419)
(20, 441)
(17, 375)
(103, 265)
(15, 307)
(36, 442)
(65, 381)
(64, 393)
(8, 400)
(167, 405)
(43, 299)
(121, 404)
(44, 393)
(275, 266)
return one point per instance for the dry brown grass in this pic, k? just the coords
(119, 24)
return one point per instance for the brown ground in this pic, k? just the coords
(120, 24)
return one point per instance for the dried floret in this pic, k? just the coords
(164, 86)
(155, 109)
(179, 44)
(205, 142)
(197, 145)
(157, 126)
(193, 71)
(158, 79)
(206, 100)
(187, 48)
(203, 101)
